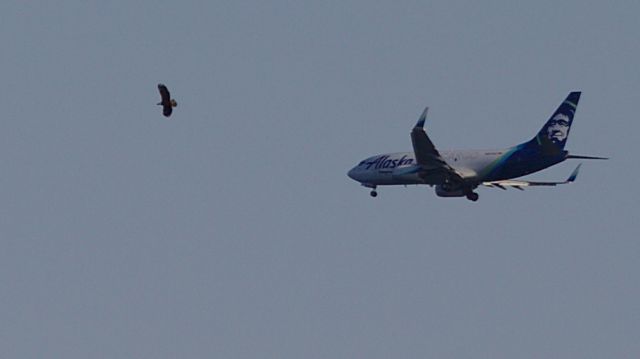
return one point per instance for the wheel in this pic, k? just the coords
(472, 196)
(373, 193)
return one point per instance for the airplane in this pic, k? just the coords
(458, 173)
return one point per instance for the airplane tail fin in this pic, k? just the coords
(553, 135)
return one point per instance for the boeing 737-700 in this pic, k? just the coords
(459, 173)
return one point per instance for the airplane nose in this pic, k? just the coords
(352, 174)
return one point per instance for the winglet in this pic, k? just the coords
(423, 117)
(574, 174)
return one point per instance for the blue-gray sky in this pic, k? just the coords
(232, 231)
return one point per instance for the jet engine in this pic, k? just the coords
(448, 191)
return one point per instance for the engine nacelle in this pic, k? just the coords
(443, 191)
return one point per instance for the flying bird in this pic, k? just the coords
(167, 102)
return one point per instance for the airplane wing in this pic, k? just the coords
(434, 167)
(521, 184)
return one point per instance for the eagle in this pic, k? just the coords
(167, 102)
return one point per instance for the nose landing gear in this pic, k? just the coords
(373, 192)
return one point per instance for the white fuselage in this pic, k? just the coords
(401, 168)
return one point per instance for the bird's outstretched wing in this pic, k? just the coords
(167, 110)
(164, 93)
(166, 100)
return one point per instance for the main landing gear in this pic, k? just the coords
(373, 193)
(472, 196)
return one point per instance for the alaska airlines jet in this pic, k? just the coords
(458, 173)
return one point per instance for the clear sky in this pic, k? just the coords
(232, 231)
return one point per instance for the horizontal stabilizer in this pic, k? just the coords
(586, 157)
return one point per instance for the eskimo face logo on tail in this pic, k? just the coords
(558, 128)
(553, 135)
(386, 162)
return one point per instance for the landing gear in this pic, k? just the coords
(472, 196)
(373, 192)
